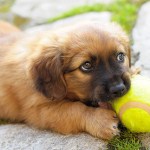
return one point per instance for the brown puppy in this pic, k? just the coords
(51, 80)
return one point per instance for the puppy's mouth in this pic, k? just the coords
(103, 105)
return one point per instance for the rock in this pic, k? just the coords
(141, 38)
(22, 137)
(91, 16)
(39, 11)
(145, 138)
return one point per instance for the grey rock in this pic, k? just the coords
(22, 137)
(39, 11)
(91, 16)
(141, 38)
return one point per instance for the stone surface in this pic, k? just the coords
(39, 11)
(22, 137)
(91, 16)
(145, 138)
(141, 38)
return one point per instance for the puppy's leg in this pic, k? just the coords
(72, 117)
(101, 123)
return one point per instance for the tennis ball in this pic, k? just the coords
(133, 108)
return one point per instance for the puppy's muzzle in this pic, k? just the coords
(117, 90)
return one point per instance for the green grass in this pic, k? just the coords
(126, 141)
(124, 12)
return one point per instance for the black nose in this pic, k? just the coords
(117, 90)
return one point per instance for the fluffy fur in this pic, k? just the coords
(42, 82)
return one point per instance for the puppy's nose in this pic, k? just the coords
(117, 90)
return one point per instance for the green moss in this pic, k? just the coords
(79, 10)
(5, 5)
(126, 141)
(124, 12)
(4, 121)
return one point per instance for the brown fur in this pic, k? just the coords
(42, 85)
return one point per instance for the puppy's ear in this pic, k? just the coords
(47, 74)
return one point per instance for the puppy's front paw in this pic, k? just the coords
(102, 123)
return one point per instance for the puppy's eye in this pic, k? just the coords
(120, 57)
(86, 67)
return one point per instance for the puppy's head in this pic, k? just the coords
(89, 62)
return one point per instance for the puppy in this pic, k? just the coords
(62, 80)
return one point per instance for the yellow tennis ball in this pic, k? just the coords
(133, 108)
